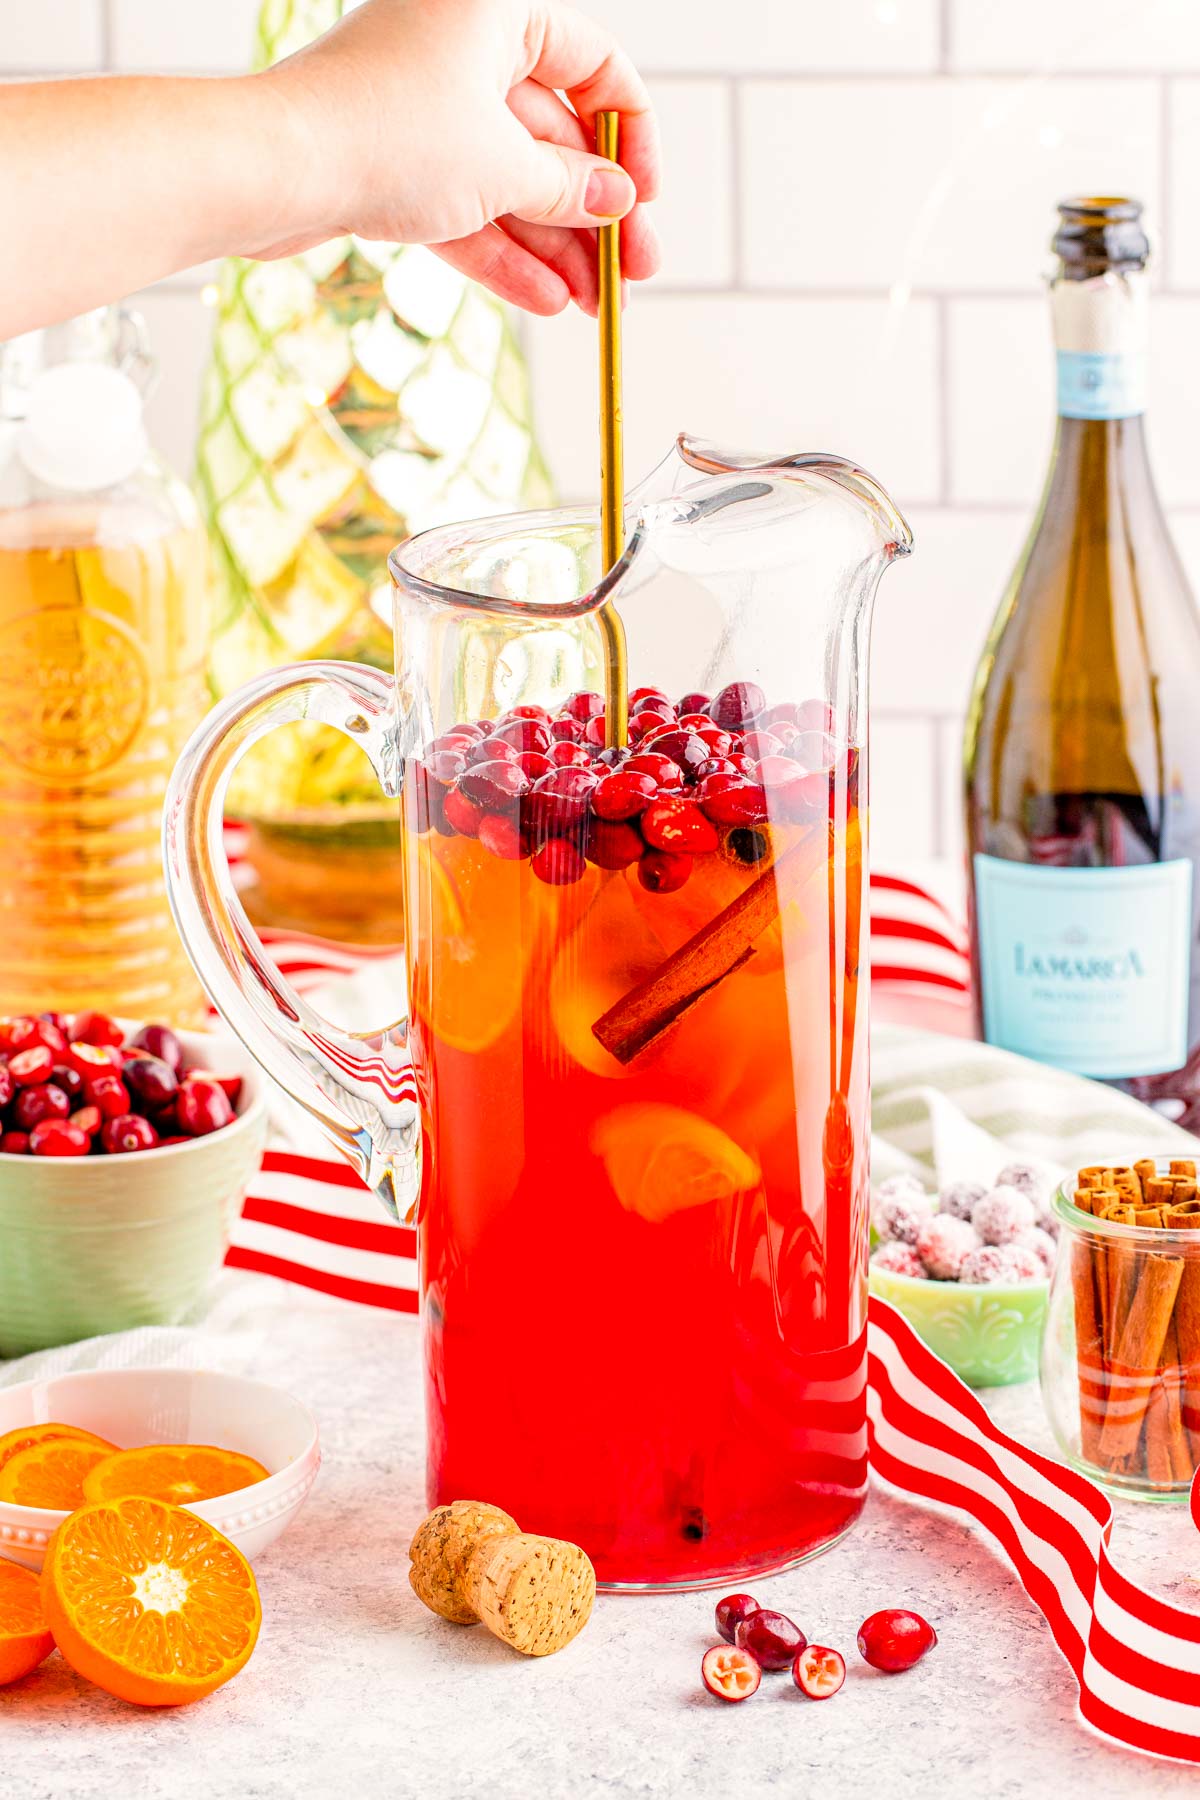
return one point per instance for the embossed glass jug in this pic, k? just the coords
(628, 1105)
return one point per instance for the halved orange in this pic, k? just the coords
(51, 1473)
(25, 1638)
(27, 1435)
(149, 1602)
(178, 1473)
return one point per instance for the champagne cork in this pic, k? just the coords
(470, 1563)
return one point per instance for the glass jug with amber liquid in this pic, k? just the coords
(104, 629)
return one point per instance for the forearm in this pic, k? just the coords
(108, 185)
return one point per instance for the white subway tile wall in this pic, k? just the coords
(859, 200)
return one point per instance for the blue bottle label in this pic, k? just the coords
(1087, 969)
(1096, 384)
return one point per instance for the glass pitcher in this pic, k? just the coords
(629, 1104)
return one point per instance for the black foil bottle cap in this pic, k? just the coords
(1099, 233)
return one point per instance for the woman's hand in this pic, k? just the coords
(439, 122)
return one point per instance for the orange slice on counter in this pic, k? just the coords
(149, 1602)
(25, 1436)
(25, 1638)
(662, 1160)
(51, 1473)
(177, 1473)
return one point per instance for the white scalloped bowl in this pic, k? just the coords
(174, 1406)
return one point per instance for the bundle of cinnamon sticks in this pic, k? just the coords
(1137, 1323)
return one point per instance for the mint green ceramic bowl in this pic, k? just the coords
(94, 1244)
(990, 1335)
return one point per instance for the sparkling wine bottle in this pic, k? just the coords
(1082, 753)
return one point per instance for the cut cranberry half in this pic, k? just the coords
(893, 1640)
(29, 1067)
(818, 1671)
(731, 1611)
(729, 1673)
(771, 1638)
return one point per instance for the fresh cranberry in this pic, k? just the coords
(500, 835)
(785, 712)
(7, 1086)
(661, 872)
(683, 747)
(200, 1107)
(14, 1143)
(559, 801)
(152, 1083)
(453, 743)
(58, 1137)
(445, 766)
(644, 724)
(737, 706)
(694, 703)
(695, 721)
(89, 1119)
(65, 1077)
(594, 733)
(804, 800)
(18, 1033)
(818, 1671)
(566, 731)
(122, 1136)
(527, 710)
(559, 862)
(462, 814)
(647, 762)
(96, 1028)
(493, 785)
(491, 749)
(770, 1637)
(893, 1640)
(644, 696)
(160, 1041)
(230, 1085)
(109, 1093)
(731, 1611)
(678, 825)
(613, 756)
(51, 1036)
(569, 756)
(623, 794)
(814, 715)
(731, 800)
(730, 1674)
(29, 1067)
(613, 844)
(778, 771)
(523, 734)
(533, 765)
(57, 1019)
(33, 1104)
(715, 765)
(584, 705)
(720, 743)
(813, 750)
(759, 744)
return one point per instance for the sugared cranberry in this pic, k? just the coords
(200, 1107)
(58, 1137)
(584, 705)
(613, 844)
(29, 1067)
(732, 800)
(818, 1671)
(893, 1640)
(623, 794)
(569, 756)
(14, 1143)
(33, 1104)
(89, 1119)
(662, 872)
(730, 1674)
(559, 862)
(737, 706)
(131, 1132)
(65, 1077)
(109, 1093)
(731, 1611)
(160, 1041)
(152, 1082)
(669, 824)
(500, 835)
(96, 1028)
(494, 786)
(523, 734)
(770, 1637)
(665, 772)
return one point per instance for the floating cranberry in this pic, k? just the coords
(665, 772)
(160, 1041)
(58, 1137)
(491, 749)
(785, 712)
(8, 1085)
(731, 1611)
(662, 872)
(445, 766)
(737, 706)
(645, 696)
(462, 814)
(500, 835)
(683, 747)
(696, 721)
(715, 765)
(96, 1028)
(623, 794)
(533, 764)
(527, 710)
(730, 1674)
(613, 756)
(770, 1637)
(569, 756)
(893, 1640)
(523, 734)
(804, 800)
(14, 1143)
(109, 1093)
(152, 1082)
(559, 801)
(778, 771)
(814, 715)
(758, 744)
(559, 862)
(494, 786)
(613, 844)
(720, 743)
(813, 750)
(29, 1067)
(566, 731)
(453, 743)
(89, 1119)
(732, 800)
(33, 1104)
(678, 825)
(694, 703)
(644, 724)
(122, 1136)
(818, 1671)
(584, 705)
(200, 1107)
(595, 733)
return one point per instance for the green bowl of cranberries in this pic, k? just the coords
(125, 1153)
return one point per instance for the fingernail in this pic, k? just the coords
(608, 194)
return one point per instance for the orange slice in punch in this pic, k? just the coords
(25, 1436)
(25, 1638)
(149, 1602)
(51, 1473)
(177, 1473)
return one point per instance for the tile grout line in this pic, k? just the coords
(1165, 123)
(944, 35)
(736, 227)
(942, 328)
(107, 34)
(937, 785)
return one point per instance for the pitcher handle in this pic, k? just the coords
(358, 1085)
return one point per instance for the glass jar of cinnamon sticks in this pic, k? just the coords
(1121, 1350)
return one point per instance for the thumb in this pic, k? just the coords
(555, 185)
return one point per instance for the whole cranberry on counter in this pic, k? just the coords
(201, 1106)
(894, 1639)
(160, 1041)
(770, 1637)
(731, 1611)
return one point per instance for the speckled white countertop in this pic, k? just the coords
(356, 1691)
